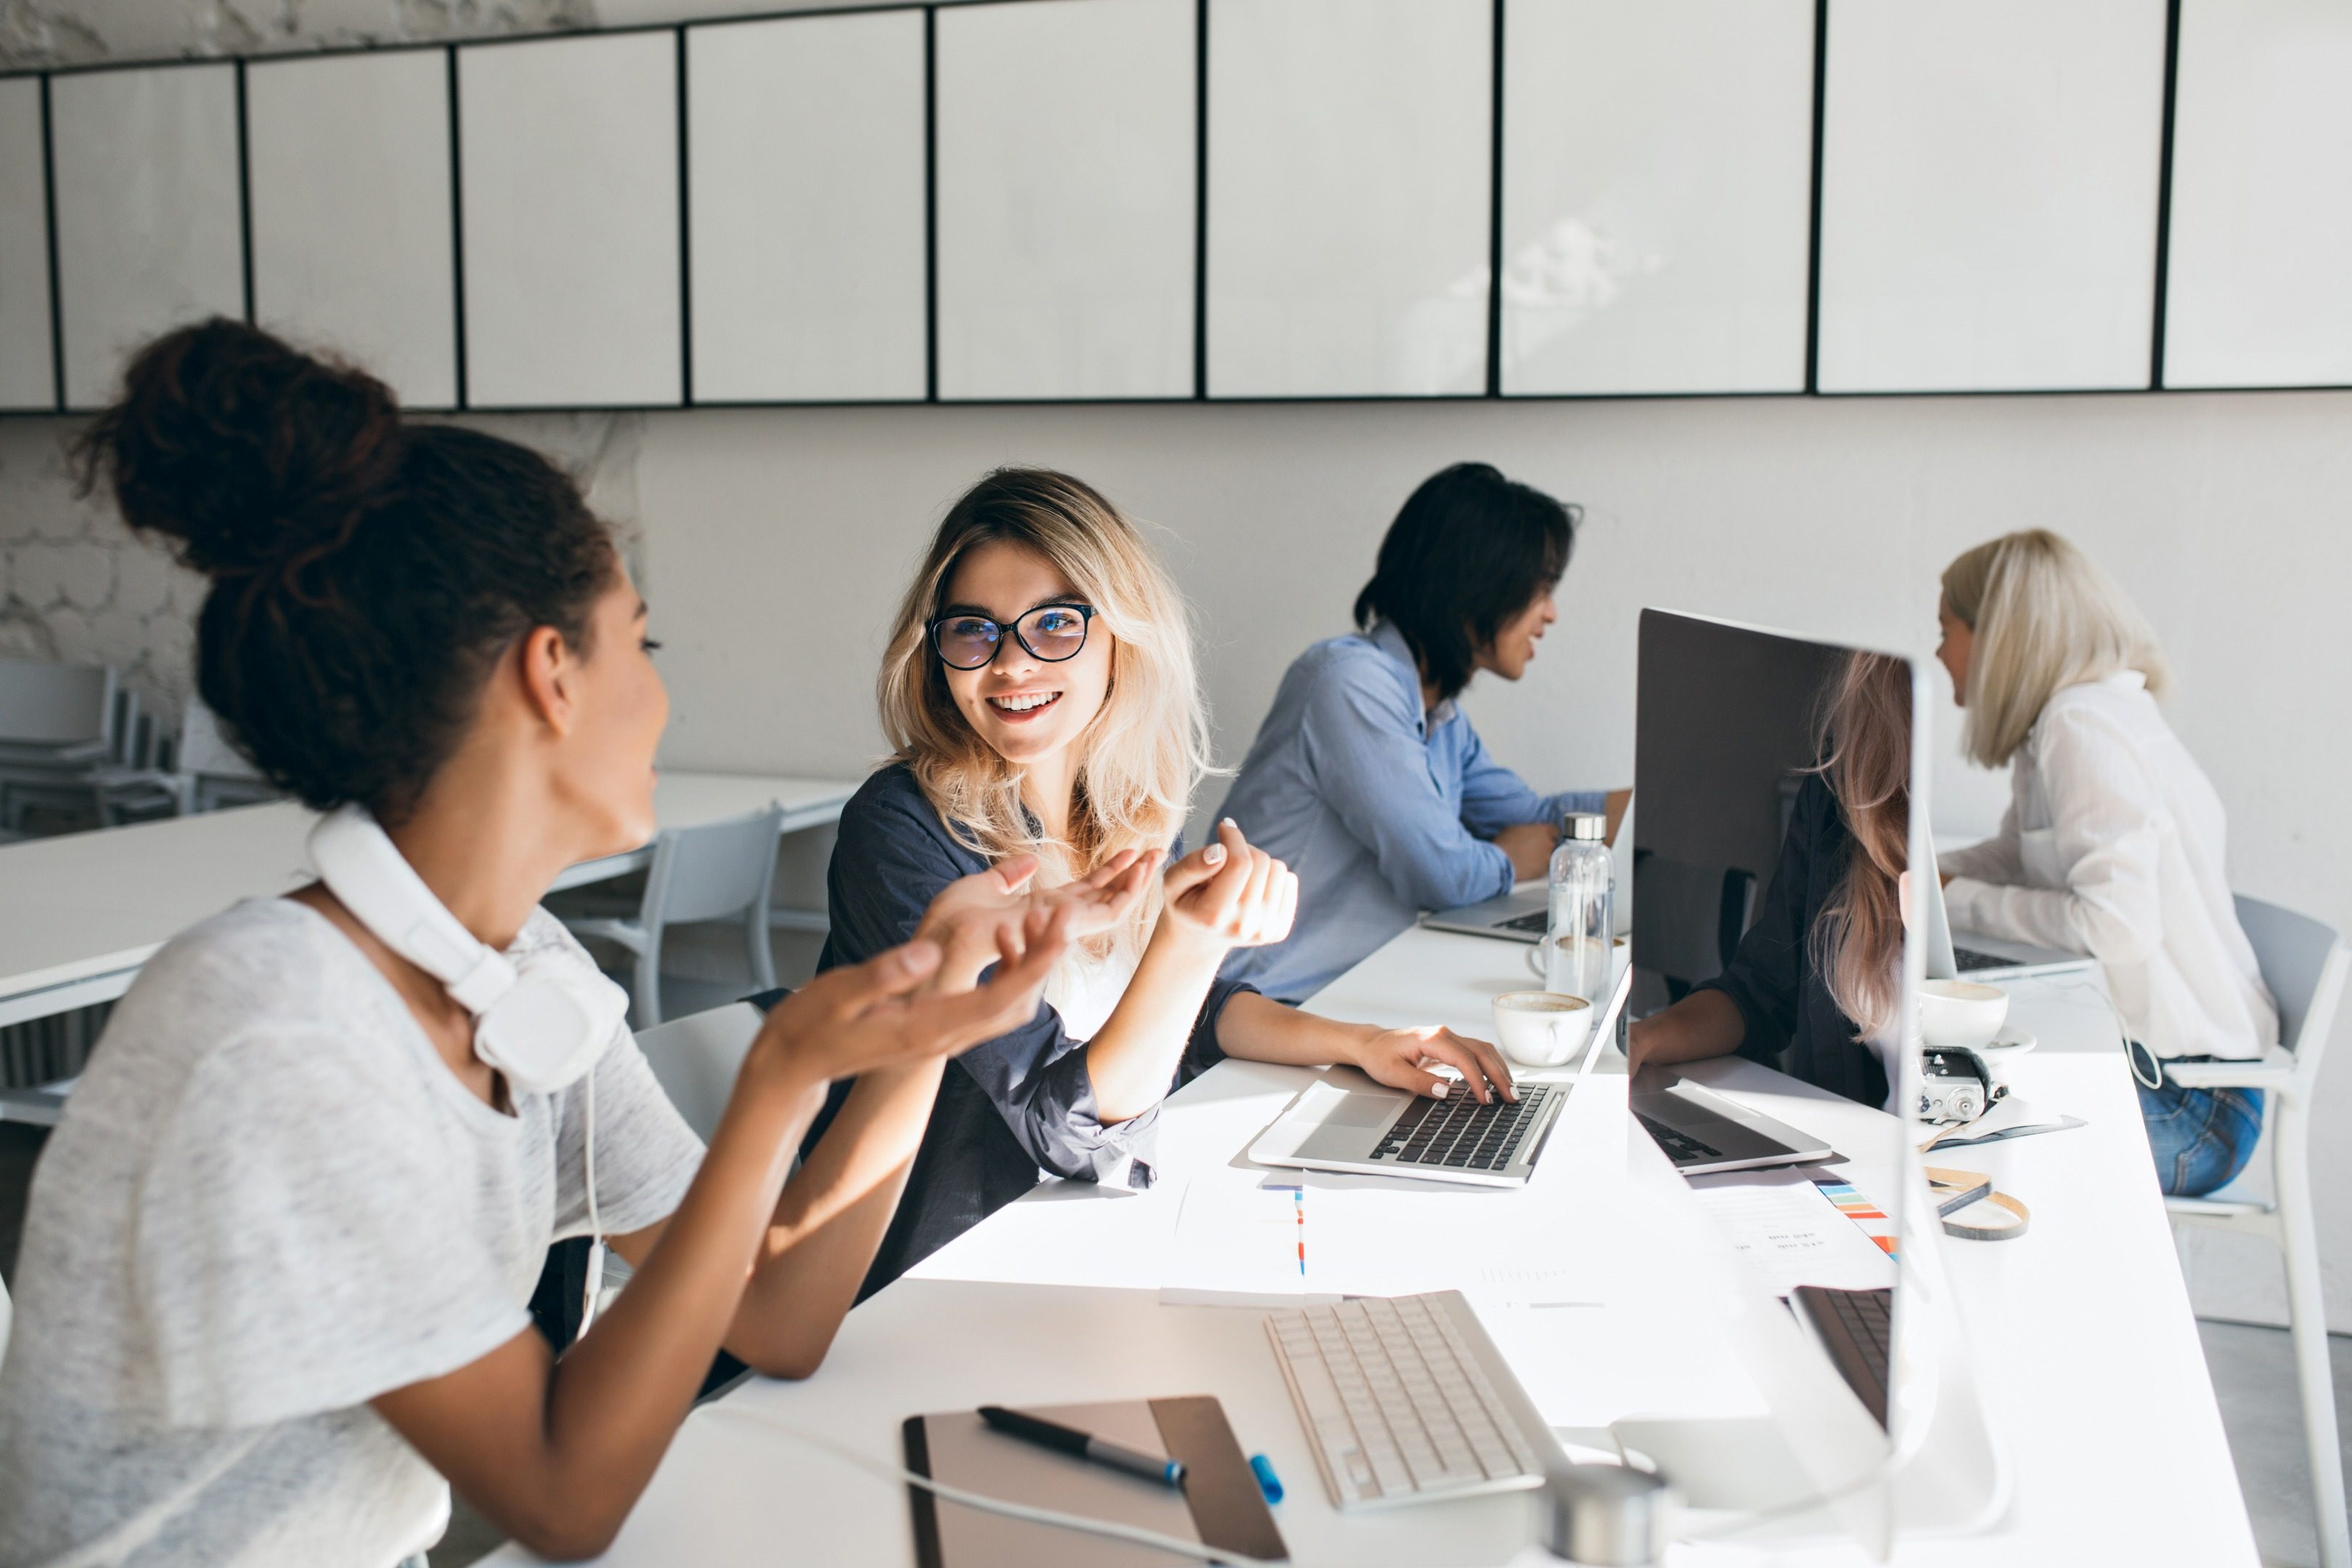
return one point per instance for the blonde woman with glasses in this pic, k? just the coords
(2113, 844)
(1040, 697)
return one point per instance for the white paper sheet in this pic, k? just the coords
(1787, 1234)
(1238, 1244)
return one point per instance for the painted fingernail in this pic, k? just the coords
(1437, 1090)
(1214, 855)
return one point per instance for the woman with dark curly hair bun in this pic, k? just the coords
(273, 1284)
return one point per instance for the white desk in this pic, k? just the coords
(2088, 1361)
(79, 913)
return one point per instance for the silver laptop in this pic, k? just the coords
(1346, 1122)
(1979, 957)
(1703, 1131)
(1519, 915)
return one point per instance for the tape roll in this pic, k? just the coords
(1971, 1225)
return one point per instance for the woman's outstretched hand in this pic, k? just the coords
(975, 919)
(1231, 894)
(895, 1009)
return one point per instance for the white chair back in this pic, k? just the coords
(713, 870)
(695, 1059)
(55, 704)
(2304, 963)
(205, 752)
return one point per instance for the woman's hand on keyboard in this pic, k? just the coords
(1402, 1058)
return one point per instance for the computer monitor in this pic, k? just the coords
(1732, 722)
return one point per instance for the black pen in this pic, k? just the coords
(1085, 1444)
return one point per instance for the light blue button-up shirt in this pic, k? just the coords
(1383, 810)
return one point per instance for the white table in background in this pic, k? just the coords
(79, 913)
(2088, 1358)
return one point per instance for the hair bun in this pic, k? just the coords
(245, 450)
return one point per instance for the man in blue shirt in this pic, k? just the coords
(1366, 776)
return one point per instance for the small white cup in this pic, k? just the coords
(1960, 1012)
(1541, 1028)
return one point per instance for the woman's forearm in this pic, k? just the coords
(1259, 1030)
(830, 1220)
(1704, 1024)
(1134, 1055)
(555, 1453)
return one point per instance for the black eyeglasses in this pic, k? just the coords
(966, 640)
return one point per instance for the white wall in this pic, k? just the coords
(775, 545)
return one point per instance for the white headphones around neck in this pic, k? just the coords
(542, 1023)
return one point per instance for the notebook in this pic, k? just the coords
(1218, 1505)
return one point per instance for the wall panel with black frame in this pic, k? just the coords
(1349, 194)
(349, 180)
(2259, 286)
(1066, 199)
(1990, 173)
(1074, 200)
(569, 194)
(27, 369)
(805, 228)
(149, 215)
(1657, 174)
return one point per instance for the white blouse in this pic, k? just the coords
(2113, 846)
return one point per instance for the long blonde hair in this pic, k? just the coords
(1142, 754)
(1859, 936)
(2045, 617)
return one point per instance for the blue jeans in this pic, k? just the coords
(2201, 1138)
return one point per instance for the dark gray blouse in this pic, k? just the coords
(1008, 1107)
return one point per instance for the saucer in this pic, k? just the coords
(2015, 1045)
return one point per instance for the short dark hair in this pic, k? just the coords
(1470, 551)
(367, 572)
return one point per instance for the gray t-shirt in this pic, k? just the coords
(269, 1202)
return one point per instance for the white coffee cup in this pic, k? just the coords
(1956, 1013)
(1541, 1028)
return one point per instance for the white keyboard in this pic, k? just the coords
(1405, 1398)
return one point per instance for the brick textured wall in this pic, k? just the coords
(77, 586)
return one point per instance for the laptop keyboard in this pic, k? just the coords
(1538, 921)
(1462, 1134)
(1680, 1147)
(1857, 1327)
(1967, 958)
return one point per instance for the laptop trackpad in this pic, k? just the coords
(1330, 1106)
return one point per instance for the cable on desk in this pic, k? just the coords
(1197, 1551)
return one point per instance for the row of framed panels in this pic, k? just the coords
(1115, 199)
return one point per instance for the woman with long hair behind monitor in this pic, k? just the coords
(1818, 976)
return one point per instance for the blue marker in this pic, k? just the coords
(1267, 1481)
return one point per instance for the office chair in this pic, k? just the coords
(695, 1059)
(712, 872)
(1688, 919)
(2304, 963)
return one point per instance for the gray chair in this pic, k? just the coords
(2304, 963)
(695, 1059)
(66, 731)
(210, 773)
(1688, 920)
(720, 870)
(55, 713)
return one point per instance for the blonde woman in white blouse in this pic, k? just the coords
(2113, 844)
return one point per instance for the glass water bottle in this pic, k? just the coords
(1580, 941)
